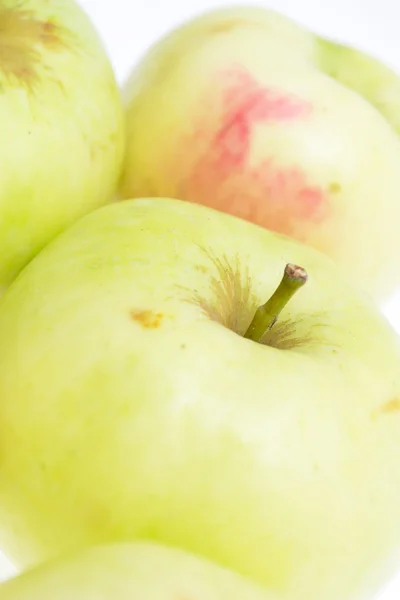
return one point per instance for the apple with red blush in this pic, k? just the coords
(243, 110)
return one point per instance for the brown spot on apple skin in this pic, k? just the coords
(148, 319)
(390, 407)
(23, 37)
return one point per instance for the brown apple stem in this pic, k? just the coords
(294, 277)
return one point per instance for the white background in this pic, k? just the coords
(128, 27)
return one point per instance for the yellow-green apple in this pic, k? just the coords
(140, 399)
(130, 571)
(62, 132)
(243, 110)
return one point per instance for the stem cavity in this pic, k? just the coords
(294, 277)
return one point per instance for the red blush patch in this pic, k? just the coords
(244, 103)
(268, 195)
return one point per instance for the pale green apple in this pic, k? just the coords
(132, 405)
(243, 110)
(130, 571)
(62, 125)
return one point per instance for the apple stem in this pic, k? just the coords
(265, 317)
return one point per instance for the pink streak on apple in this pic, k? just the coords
(271, 195)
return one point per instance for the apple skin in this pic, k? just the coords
(62, 126)
(243, 110)
(130, 571)
(131, 405)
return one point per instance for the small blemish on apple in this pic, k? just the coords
(334, 187)
(147, 318)
(390, 407)
(49, 34)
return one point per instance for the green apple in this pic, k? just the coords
(243, 110)
(140, 397)
(62, 125)
(130, 571)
